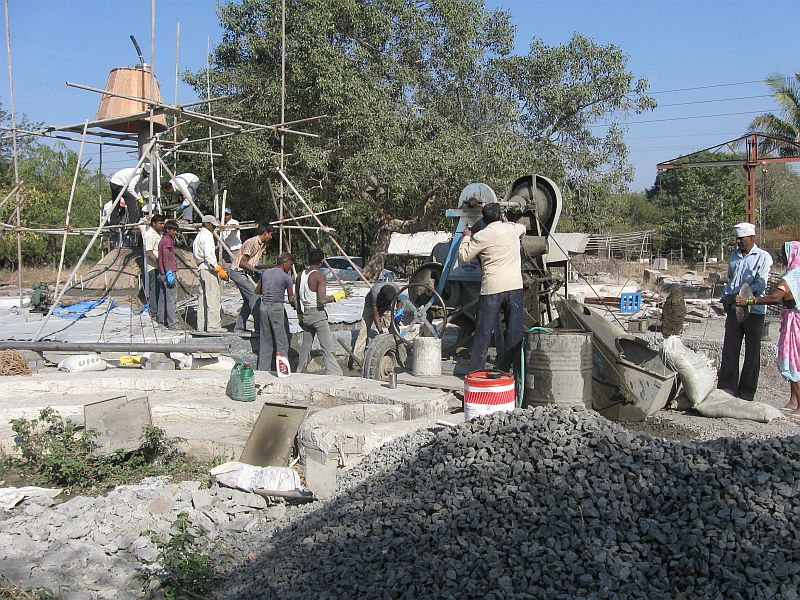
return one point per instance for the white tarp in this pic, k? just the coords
(417, 244)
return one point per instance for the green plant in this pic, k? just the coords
(58, 452)
(182, 568)
(10, 590)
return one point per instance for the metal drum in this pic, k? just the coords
(558, 368)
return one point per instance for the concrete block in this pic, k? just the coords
(321, 477)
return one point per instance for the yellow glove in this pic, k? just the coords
(223, 274)
(339, 295)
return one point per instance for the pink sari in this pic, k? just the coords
(789, 338)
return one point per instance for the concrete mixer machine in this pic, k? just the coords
(441, 298)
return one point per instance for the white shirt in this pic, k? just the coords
(233, 240)
(186, 184)
(204, 250)
(150, 238)
(134, 186)
(106, 212)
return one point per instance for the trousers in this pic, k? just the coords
(743, 385)
(315, 322)
(363, 331)
(272, 336)
(155, 292)
(167, 300)
(250, 301)
(489, 307)
(208, 302)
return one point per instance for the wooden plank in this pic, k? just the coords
(449, 383)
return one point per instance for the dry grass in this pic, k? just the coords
(32, 275)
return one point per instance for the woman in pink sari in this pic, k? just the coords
(789, 339)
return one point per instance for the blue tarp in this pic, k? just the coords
(80, 309)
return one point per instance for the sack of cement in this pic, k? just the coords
(211, 363)
(697, 376)
(81, 363)
(721, 404)
(249, 478)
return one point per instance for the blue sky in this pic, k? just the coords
(676, 45)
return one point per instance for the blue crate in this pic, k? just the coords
(630, 303)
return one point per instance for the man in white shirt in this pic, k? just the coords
(184, 186)
(498, 247)
(132, 181)
(210, 273)
(233, 239)
(150, 239)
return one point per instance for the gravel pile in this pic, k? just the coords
(547, 503)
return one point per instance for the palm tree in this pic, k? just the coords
(786, 91)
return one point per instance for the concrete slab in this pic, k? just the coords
(118, 422)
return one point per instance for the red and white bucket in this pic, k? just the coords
(486, 392)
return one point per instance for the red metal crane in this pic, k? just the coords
(789, 151)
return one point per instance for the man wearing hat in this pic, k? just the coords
(750, 265)
(233, 239)
(210, 272)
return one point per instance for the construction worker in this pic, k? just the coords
(210, 273)
(168, 276)
(311, 300)
(243, 272)
(751, 265)
(150, 238)
(376, 303)
(498, 248)
(183, 186)
(274, 284)
(233, 239)
(130, 182)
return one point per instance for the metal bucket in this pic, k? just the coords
(426, 359)
(558, 368)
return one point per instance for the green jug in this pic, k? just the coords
(234, 387)
(248, 383)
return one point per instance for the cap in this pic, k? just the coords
(211, 219)
(146, 167)
(743, 230)
(228, 209)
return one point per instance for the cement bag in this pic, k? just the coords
(249, 478)
(81, 363)
(697, 376)
(720, 403)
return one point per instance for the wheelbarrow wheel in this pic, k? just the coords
(417, 305)
(383, 356)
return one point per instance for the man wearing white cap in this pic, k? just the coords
(750, 265)
(210, 272)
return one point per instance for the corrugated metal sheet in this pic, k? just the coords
(417, 244)
(571, 243)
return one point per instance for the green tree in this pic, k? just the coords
(422, 98)
(700, 206)
(786, 92)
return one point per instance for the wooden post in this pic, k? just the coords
(14, 148)
(69, 206)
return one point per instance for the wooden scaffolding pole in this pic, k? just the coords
(14, 149)
(69, 208)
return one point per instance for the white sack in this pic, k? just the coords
(249, 478)
(697, 375)
(81, 363)
(720, 403)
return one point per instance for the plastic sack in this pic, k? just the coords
(697, 376)
(248, 478)
(720, 403)
(81, 363)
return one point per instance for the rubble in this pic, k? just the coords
(544, 503)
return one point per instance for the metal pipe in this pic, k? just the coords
(165, 348)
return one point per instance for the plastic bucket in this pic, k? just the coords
(486, 392)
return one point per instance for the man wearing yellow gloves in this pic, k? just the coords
(210, 272)
(312, 297)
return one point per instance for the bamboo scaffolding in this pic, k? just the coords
(69, 207)
(13, 191)
(27, 133)
(333, 239)
(103, 221)
(276, 127)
